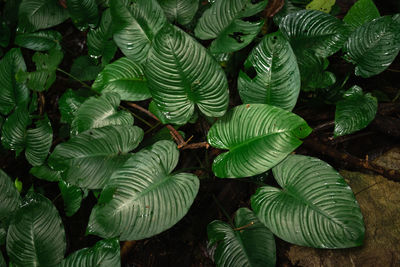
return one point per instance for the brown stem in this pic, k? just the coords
(126, 248)
(196, 145)
(243, 227)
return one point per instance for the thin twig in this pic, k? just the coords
(196, 145)
(323, 126)
(137, 116)
(74, 78)
(243, 227)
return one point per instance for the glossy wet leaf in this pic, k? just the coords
(250, 243)
(373, 46)
(321, 5)
(135, 24)
(315, 206)
(225, 22)
(277, 80)
(70, 102)
(38, 142)
(72, 197)
(143, 198)
(313, 72)
(40, 14)
(182, 76)
(36, 235)
(12, 93)
(98, 112)
(44, 172)
(45, 74)
(104, 253)
(180, 11)
(258, 136)
(89, 158)
(9, 198)
(13, 135)
(125, 77)
(2, 261)
(361, 12)
(85, 69)
(84, 13)
(39, 41)
(354, 112)
(99, 40)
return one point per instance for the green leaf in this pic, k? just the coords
(38, 142)
(88, 159)
(39, 41)
(85, 69)
(40, 14)
(157, 112)
(354, 112)
(278, 78)
(9, 197)
(72, 197)
(250, 243)
(224, 22)
(125, 77)
(84, 13)
(373, 46)
(98, 112)
(12, 93)
(14, 130)
(104, 254)
(361, 12)
(146, 198)
(135, 24)
(321, 5)
(5, 34)
(99, 40)
(180, 11)
(36, 235)
(3, 235)
(18, 185)
(182, 75)
(45, 74)
(44, 172)
(70, 102)
(315, 207)
(258, 137)
(314, 31)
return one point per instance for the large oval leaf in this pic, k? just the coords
(40, 14)
(69, 103)
(88, 159)
(36, 235)
(39, 41)
(44, 172)
(12, 93)
(143, 198)
(135, 24)
(125, 77)
(72, 197)
(104, 254)
(84, 13)
(38, 142)
(224, 20)
(258, 137)
(373, 46)
(361, 12)
(13, 135)
(314, 208)
(250, 243)
(181, 11)
(278, 78)
(354, 112)
(98, 112)
(9, 197)
(182, 75)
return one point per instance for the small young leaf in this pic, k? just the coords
(18, 185)
(38, 142)
(181, 11)
(98, 112)
(125, 77)
(147, 199)
(39, 41)
(321, 5)
(88, 159)
(361, 12)
(315, 206)
(72, 197)
(9, 198)
(135, 24)
(14, 130)
(85, 69)
(40, 14)
(84, 13)
(44, 172)
(105, 253)
(277, 80)
(250, 243)
(354, 112)
(36, 235)
(373, 46)
(258, 136)
(223, 21)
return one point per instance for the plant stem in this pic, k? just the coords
(152, 128)
(74, 78)
(196, 145)
(243, 227)
(137, 116)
